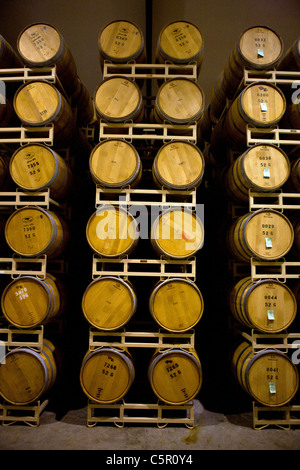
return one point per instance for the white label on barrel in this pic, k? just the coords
(263, 107)
(271, 315)
(260, 52)
(272, 387)
(268, 242)
(266, 172)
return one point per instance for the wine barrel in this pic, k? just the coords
(29, 301)
(109, 302)
(5, 178)
(293, 182)
(176, 304)
(291, 118)
(32, 231)
(179, 101)
(178, 165)
(180, 42)
(268, 376)
(39, 103)
(26, 374)
(263, 168)
(119, 99)
(218, 98)
(260, 104)
(264, 234)
(8, 57)
(7, 114)
(258, 48)
(121, 42)
(42, 45)
(112, 232)
(83, 102)
(291, 59)
(175, 375)
(106, 374)
(115, 163)
(177, 233)
(266, 305)
(36, 167)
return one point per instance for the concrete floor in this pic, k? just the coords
(212, 431)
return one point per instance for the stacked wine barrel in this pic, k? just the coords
(113, 303)
(38, 229)
(264, 235)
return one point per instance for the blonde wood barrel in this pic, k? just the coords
(119, 99)
(8, 57)
(180, 42)
(109, 302)
(258, 48)
(269, 376)
(26, 374)
(260, 104)
(176, 304)
(177, 233)
(175, 375)
(291, 59)
(115, 163)
(106, 374)
(178, 165)
(36, 167)
(32, 231)
(39, 103)
(266, 305)
(264, 234)
(30, 301)
(179, 101)
(121, 42)
(42, 45)
(112, 232)
(263, 168)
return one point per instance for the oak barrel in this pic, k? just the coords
(8, 57)
(118, 99)
(175, 375)
(176, 304)
(32, 231)
(5, 178)
(39, 103)
(264, 234)
(109, 302)
(260, 105)
(218, 98)
(291, 59)
(121, 42)
(269, 376)
(180, 42)
(263, 168)
(178, 165)
(26, 374)
(112, 231)
(83, 102)
(36, 167)
(115, 163)
(177, 233)
(107, 374)
(258, 48)
(266, 305)
(42, 45)
(180, 101)
(30, 301)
